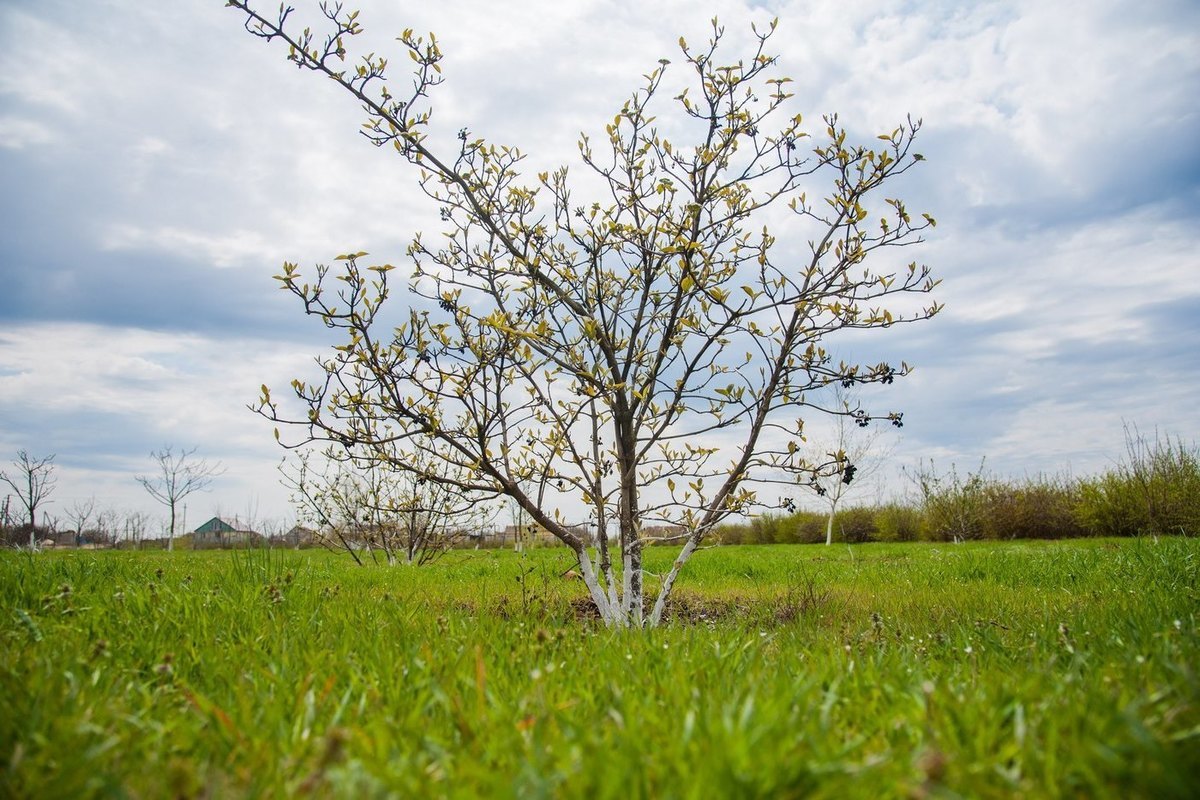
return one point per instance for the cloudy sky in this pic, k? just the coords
(159, 164)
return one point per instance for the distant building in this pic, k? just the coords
(298, 536)
(219, 533)
(216, 525)
(664, 532)
(532, 533)
(89, 538)
(529, 533)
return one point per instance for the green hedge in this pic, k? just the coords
(1154, 491)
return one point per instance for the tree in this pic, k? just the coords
(646, 355)
(108, 527)
(79, 514)
(953, 506)
(178, 475)
(33, 480)
(8, 523)
(852, 456)
(520, 526)
(365, 505)
(135, 527)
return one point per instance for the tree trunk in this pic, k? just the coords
(635, 600)
(660, 604)
(610, 613)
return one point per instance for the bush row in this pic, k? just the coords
(1156, 491)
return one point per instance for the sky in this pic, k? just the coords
(159, 164)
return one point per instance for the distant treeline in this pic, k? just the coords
(1156, 491)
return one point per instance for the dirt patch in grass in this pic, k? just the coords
(696, 609)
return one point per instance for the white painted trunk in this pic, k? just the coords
(660, 604)
(626, 582)
(610, 611)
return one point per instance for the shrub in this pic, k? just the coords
(897, 522)
(1155, 491)
(762, 529)
(952, 506)
(807, 527)
(854, 525)
(1037, 508)
(732, 533)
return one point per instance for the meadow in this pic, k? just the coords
(982, 669)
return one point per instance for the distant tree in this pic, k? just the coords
(597, 351)
(953, 506)
(853, 454)
(367, 506)
(33, 480)
(108, 527)
(178, 475)
(521, 523)
(1165, 476)
(135, 525)
(8, 522)
(272, 529)
(79, 514)
(1154, 490)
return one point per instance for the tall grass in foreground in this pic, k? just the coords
(893, 670)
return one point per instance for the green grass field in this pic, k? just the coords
(1036, 669)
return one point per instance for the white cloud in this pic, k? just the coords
(59, 380)
(223, 250)
(1062, 168)
(18, 134)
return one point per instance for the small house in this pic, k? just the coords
(219, 533)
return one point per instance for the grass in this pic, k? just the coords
(1040, 669)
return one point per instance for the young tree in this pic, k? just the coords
(365, 505)
(79, 514)
(953, 506)
(136, 523)
(178, 475)
(33, 480)
(520, 524)
(853, 455)
(108, 527)
(647, 354)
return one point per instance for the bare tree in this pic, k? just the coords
(33, 480)
(249, 521)
(178, 476)
(273, 530)
(649, 353)
(108, 527)
(853, 454)
(521, 524)
(953, 505)
(136, 523)
(9, 535)
(79, 514)
(366, 506)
